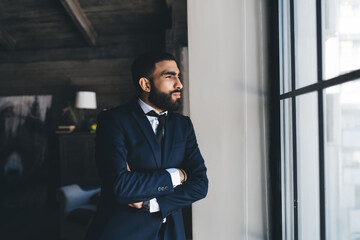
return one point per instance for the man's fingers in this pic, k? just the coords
(136, 205)
(183, 176)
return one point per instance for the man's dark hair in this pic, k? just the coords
(144, 66)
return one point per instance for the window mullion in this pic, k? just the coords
(321, 122)
(293, 102)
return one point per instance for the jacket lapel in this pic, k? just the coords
(145, 127)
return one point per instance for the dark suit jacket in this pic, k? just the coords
(124, 135)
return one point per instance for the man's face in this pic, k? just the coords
(166, 86)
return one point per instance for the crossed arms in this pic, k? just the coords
(178, 176)
(131, 187)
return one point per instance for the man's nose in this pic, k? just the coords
(178, 84)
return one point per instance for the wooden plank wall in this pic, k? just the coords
(104, 69)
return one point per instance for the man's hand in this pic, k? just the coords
(183, 176)
(137, 205)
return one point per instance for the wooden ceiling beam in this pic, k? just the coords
(7, 40)
(81, 21)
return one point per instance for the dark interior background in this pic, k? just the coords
(44, 51)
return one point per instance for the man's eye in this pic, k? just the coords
(168, 76)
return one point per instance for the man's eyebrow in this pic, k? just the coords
(169, 73)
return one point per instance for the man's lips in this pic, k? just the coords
(177, 94)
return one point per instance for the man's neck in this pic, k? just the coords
(146, 100)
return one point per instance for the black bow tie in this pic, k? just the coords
(160, 128)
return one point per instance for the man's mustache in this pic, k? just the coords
(175, 91)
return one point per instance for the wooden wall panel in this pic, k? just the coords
(95, 74)
(122, 6)
(110, 78)
(127, 46)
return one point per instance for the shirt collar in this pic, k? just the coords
(146, 108)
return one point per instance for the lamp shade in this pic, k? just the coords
(85, 100)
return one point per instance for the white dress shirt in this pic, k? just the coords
(174, 173)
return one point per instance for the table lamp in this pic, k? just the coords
(85, 100)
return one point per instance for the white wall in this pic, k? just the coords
(227, 77)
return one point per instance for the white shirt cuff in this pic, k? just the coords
(175, 176)
(154, 206)
(175, 179)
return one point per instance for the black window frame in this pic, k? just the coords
(275, 98)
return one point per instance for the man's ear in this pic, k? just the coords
(145, 84)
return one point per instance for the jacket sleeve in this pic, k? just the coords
(111, 159)
(196, 187)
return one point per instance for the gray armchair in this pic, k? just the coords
(77, 207)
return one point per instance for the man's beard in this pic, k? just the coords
(163, 101)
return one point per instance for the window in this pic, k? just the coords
(319, 59)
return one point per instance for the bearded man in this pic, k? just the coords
(148, 159)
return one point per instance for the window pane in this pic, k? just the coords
(305, 42)
(287, 182)
(308, 166)
(284, 47)
(341, 37)
(342, 161)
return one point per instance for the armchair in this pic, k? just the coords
(77, 207)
